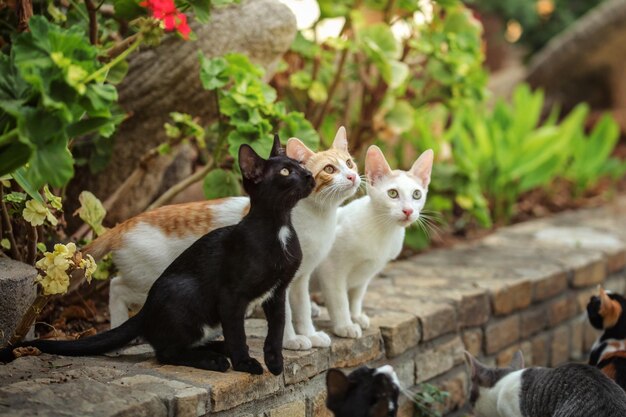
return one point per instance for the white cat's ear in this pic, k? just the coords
(471, 363)
(376, 166)
(298, 150)
(337, 385)
(517, 362)
(423, 167)
(341, 140)
(251, 164)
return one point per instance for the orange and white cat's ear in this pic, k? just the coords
(337, 385)
(277, 149)
(376, 166)
(251, 164)
(517, 362)
(423, 167)
(341, 140)
(610, 310)
(298, 150)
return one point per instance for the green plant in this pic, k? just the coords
(248, 113)
(427, 400)
(371, 81)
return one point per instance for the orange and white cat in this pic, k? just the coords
(145, 245)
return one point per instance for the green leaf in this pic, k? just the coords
(202, 10)
(54, 200)
(212, 72)
(5, 243)
(117, 74)
(401, 117)
(300, 79)
(15, 197)
(220, 183)
(20, 177)
(128, 9)
(14, 156)
(295, 125)
(91, 211)
(317, 92)
(52, 164)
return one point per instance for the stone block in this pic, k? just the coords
(501, 333)
(473, 341)
(182, 400)
(590, 271)
(577, 328)
(400, 331)
(540, 346)
(508, 296)
(533, 320)
(590, 335)
(227, 390)
(549, 286)
(317, 405)
(80, 397)
(561, 309)
(346, 353)
(406, 408)
(560, 345)
(302, 365)
(438, 357)
(456, 384)
(17, 293)
(292, 409)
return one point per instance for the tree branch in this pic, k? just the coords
(32, 245)
(93, 22)
(182, 185)
(9, 228)
(331, 90)
(24, 11)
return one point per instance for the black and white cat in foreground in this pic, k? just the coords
(569, 390)
(206, 290)
(366, 392)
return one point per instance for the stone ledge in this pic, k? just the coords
(524, 287)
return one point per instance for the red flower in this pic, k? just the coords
(166, 11)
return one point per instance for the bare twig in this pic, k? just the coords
(93, 21)
(182, 185)
(9, 228)
(29, 318)
(332, 89)
(24, 12)
(120, 47)
(32, 245)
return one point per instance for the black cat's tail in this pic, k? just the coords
(95, 345)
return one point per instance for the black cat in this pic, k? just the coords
(212, 282)
(607, 311)
(366, 392)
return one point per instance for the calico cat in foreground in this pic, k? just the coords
(366, 392)
(370, 233)
(206, 290)
(606, 311)
(144, 245)
(569, 390)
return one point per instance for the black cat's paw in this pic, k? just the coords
(221, 364)
(250, 365)
(274, 362)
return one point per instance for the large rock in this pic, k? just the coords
(166, 79)
(17, 293)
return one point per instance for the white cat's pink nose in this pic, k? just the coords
(407, 212)
(351, 177)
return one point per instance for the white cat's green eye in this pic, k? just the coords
(329, 169)
(284, 172)
(392, 193)
(417, 194)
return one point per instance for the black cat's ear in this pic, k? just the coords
(517, 362)
(337, 385)
(251, 164)
(277, 149)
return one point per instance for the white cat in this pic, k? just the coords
(370, 233)
(146, 244)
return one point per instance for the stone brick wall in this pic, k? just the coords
(523, 287)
